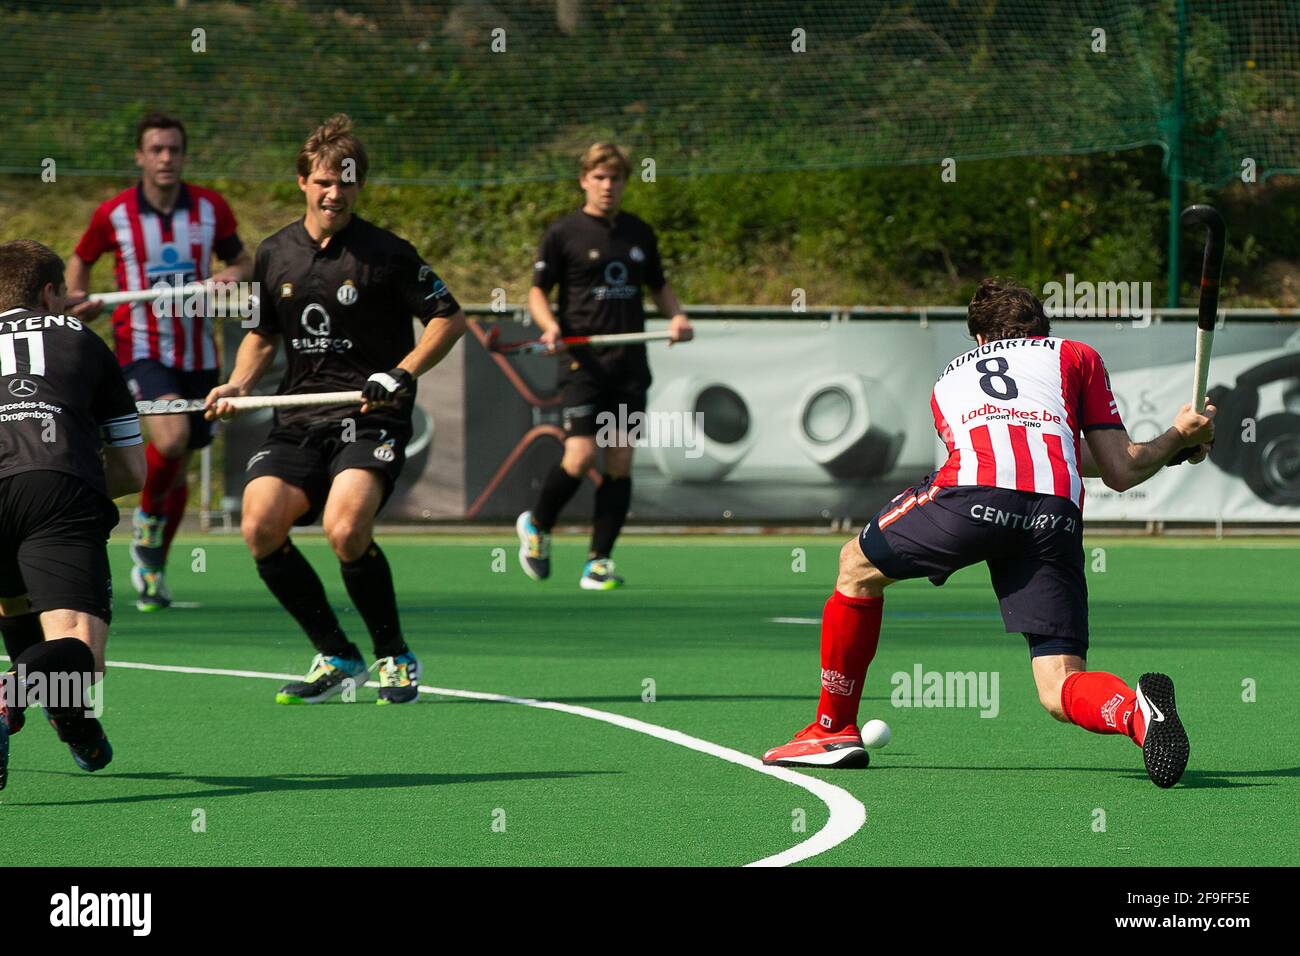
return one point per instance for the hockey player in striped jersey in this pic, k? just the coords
(1024, 416)
(161, 230)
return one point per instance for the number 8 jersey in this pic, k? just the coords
(1011, 414)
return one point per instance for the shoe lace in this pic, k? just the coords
(539, 544)
(392, 673)
(320, 666)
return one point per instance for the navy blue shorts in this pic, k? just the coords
(1032, 544)
(150, 379)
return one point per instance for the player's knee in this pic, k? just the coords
(349, 538)
(579, 461)
(858, 577)
(261, 533)
(173, 443)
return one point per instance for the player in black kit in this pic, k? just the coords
(340, 293)
(602, 259)
(63, 404)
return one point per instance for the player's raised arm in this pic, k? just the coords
(1112, 455)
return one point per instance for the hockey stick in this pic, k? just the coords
(180, 406)
(1208, 308)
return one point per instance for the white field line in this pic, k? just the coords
(847, 814)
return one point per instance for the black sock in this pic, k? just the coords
(557, 489)
(298, 587)
(20, 632)
(63, 665)
(369, 582)
(613, 498)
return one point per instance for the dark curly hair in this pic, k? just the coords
(1002, 310)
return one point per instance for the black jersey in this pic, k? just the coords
(344, 311)
(601, 269)
(62, 397)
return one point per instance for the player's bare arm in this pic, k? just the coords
(78, 279)
(124, 470)
(679, 325)
(539, 304)
(438, 338)
(255, 355)
(1123, 463)
(238, 269)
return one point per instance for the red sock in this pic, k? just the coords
(174, 510)
(850, 633)
(1103, 704)
(158, 480)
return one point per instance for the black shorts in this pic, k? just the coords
(1032, 544)
(587, 391)
(54, 543)
(150, 379)
(311, 457)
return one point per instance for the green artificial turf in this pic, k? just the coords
(209, 771)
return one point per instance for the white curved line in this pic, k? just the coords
(847, 814)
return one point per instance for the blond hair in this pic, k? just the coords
(330, 145)
(605, 154)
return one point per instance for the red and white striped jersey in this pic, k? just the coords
(150, 247)
(1012, 412)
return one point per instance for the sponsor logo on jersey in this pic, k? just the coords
(593, 253)
(539, 265)
(316, 321)
(347, 293)
(636, 255)
(22, 388)
(617, 288)
(989, 410)
(286, 290)
(171, 263)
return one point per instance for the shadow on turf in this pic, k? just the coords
(1192, 779)
(243, 786)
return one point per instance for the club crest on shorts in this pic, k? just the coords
(347, 293)
(385, 451)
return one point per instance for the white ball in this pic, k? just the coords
(876, 733)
